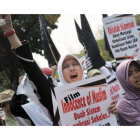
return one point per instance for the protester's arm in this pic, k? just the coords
(54, 69)
(15, 42)
(128, 115)
(34, 73)
(16, 106)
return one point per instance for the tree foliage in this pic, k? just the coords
(137, 18)
(27, 28)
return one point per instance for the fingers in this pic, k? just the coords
(3, 16)
(54, 67)
(113, 102)
(20, 78)
(113, 109)
(112, 106)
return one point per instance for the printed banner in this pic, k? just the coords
(115, 88)
(85, 103)
(123, 37)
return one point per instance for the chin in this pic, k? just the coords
(136, 86)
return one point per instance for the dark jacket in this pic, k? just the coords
(44, 87)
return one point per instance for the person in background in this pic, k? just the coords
(93, 73)
(55, 82)
(5, 98)
(128, 73)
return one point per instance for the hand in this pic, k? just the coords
(8, 26)
(20, 78)
(112, 108)
(54, 69)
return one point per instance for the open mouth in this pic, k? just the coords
(138, 81)
(74, 77)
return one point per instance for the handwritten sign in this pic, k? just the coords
(123, 37)
(85, 103)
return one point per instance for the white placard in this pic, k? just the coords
(116, 90)
(123, 37)
(85, 103)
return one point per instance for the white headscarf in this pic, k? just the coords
(60, 72)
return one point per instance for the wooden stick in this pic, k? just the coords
(53, 54)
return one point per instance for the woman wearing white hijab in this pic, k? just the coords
(70, 69)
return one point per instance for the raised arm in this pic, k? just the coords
(33, 71)
(15, 42)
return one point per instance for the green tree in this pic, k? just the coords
(27, 28)
(137, 18)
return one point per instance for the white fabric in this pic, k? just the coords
(113, 73)
(37, 115)
(108, 64)
(23, 122)
(2, 22)
(60, 73)
(27, 87)
(105, 71)
(56, 83)
(54, 104)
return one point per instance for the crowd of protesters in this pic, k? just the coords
(34, 102)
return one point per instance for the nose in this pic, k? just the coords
(71, 68)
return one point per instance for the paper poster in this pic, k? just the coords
(123, 36)
(85, 103)
(115, 88)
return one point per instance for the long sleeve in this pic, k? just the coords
(43, 85)
(128, 114)
(15, 106)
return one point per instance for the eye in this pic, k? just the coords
(138, 69)
(65, 66)
(129, 74)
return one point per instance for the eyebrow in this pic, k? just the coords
(134, 69)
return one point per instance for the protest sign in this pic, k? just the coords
(85, 103)
(115, 88)
(123, 37)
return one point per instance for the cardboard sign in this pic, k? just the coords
(115, 88)
(85, 103)
(123, 36)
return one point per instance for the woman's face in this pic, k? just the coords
(134, 75)
(72, 70)
(6, 108)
